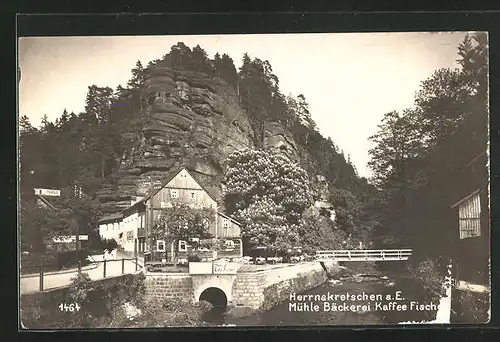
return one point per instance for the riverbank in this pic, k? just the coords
(358, 294)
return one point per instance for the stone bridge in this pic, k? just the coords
(223, 285)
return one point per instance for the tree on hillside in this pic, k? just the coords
(303, 113)
(179, 57)
(228, 71)
(100, 138)
(397, 140)
(318, 233)
(473, 57)
(442, 102)
(200, 60)
(347, 209)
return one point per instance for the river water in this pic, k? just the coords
(385, 287)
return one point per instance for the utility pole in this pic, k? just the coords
(77, 194)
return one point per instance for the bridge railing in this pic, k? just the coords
(369, 254)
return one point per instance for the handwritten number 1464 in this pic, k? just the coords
(72, 307)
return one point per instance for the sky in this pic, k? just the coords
(350, 80)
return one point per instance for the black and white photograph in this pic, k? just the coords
(239, 180)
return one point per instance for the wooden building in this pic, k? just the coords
(133, 226)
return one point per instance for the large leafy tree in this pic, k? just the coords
(398, 140)
(181, 222)
(267, 193)
(443, 100)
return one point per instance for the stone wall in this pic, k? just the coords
(168, 285)
(265, 289)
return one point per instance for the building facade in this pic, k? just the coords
(133, 227)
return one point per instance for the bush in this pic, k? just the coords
(171, 313)
(70, 258)
(424, 284)
(101, 300)
(427, 274)
(470, 308)
(194, 258)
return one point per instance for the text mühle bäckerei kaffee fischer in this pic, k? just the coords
(355, 302)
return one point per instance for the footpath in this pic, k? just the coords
(31, 283)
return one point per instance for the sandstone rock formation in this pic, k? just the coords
(279, 140)
(196, 121)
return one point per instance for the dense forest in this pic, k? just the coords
(417, 150)
(88, 149)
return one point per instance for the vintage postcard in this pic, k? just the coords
(253, 180)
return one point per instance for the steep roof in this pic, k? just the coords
(111, 217)
(171, 175)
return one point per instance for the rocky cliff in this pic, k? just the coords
(193, 120)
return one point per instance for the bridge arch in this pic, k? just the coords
(214, 296)
(223, 283)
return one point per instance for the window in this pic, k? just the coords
(194, 239)
(229, 243)
(225, 223)
(182, 246)
(469, 217)
(130, 235)
(160, 245)
(192, 195)
(174, 194)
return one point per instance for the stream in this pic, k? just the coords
(360, 285)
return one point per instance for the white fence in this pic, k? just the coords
(365, 255)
